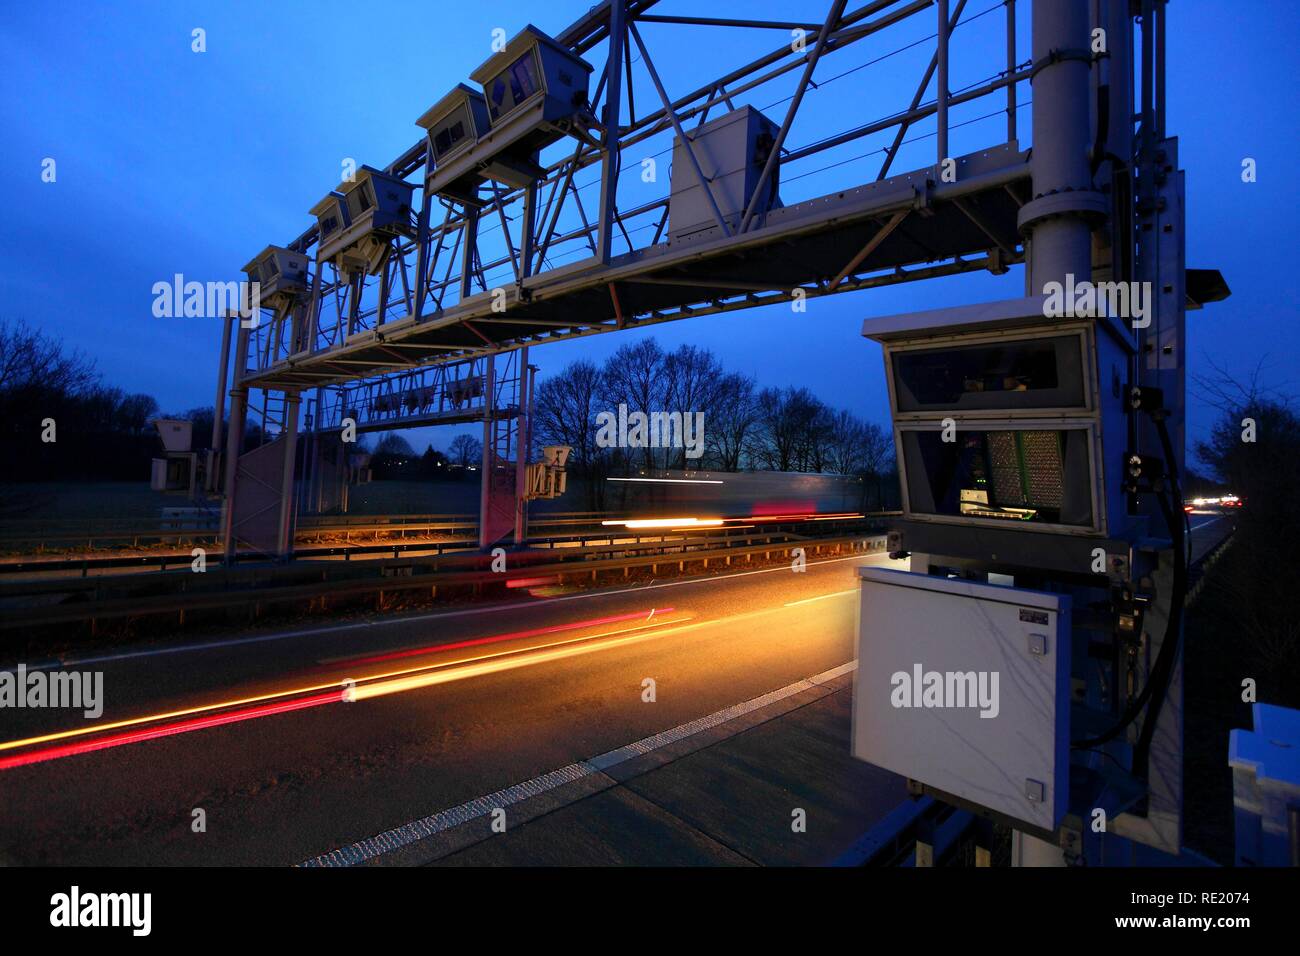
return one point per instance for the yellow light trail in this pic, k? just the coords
(391, 681)
(666, 523)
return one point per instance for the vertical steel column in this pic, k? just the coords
(523, 425)
(1160, 69)
(211, 482)
(527, 233)
(1011, 68)
(223, 375)
(313, 310)
(469, 237)
(234, 443)
(941, 88)
(424, 247)
(1119, 79)
(1056, 220)
(610, 163)
(485, 476)
(288, 509)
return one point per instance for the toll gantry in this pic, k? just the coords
(548, 200)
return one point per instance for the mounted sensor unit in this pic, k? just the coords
(536, 84)
(732, 151)
(453, 125)
(999, 414)
(281, 273)
(534, 92)
(359, 219)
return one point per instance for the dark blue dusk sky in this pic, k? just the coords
(170, 161)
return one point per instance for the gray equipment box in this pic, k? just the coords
(998, 739)
(282, 275)
(358, 219)
(453, 125)
(176, 433)
(534, 93)
(731, 151)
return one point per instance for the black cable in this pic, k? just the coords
(1162, 670)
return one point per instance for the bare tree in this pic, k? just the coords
(790, 425)
(564, 413)
(731, 421)
(694, 383)
(846, 451)
(465, 450)
(30, 360)
(394, 444)
(636, 376)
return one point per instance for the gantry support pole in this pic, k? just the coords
(523, 425)
(941, 89)
(223, 375)
(489, 453)
(609, 162)
(234, 443)
(1057, 221)
(288, 502)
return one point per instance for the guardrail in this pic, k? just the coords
(161, 561)
(189, 592)
(44, 538)
(307, 527)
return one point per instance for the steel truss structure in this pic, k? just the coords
(525, 265)
(401, 342)
(478, 278)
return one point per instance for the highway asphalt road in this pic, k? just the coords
(546, 683)
(448, 706)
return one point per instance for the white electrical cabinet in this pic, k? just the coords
(732, 151)
(964, 687)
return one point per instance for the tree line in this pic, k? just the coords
(1251, 604)
(60, 422)
(745, 427)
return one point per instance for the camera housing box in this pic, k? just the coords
(453, 126)
(999, 415)
(359, 218)
(281, 274)
(534, 93)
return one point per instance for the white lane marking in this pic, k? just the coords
(443, 820)
(820, 597)
(414, 619)
(647, 744)
(409, 833)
